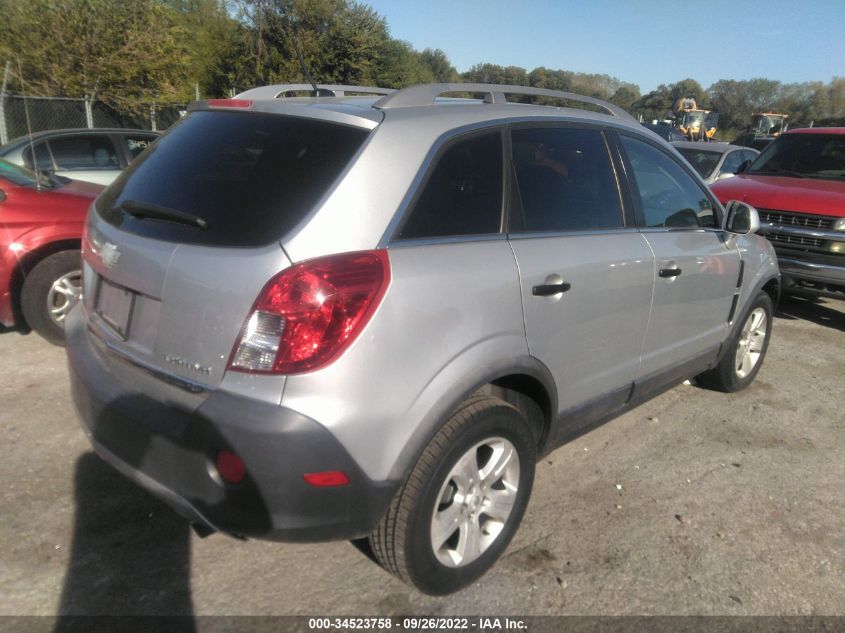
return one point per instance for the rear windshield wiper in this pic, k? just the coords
(156, 212)
(778, 172)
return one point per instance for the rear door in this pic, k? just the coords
(697, 272)
(587, 274)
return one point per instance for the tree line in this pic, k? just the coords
(129, 54)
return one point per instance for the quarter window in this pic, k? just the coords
(42, 162)
(565, 179)
(84, 152)
(463, 195)
(669, 196)
(732, 162)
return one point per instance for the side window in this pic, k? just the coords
(137, 144)
(84, 152)
(749, 156)
(42, 160)
(732, 162)
(565, 179)
(463, 195)
(668, 194)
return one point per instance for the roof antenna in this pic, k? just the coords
(318, 92)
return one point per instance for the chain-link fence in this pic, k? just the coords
(21, 114)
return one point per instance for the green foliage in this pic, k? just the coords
(439, 65)
(124, 52)
(132, 53)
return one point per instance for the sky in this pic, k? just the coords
(639, 41)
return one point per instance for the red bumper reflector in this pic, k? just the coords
(326, 478)
(230, 466)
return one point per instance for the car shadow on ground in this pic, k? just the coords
(130, 554)
(812, 310)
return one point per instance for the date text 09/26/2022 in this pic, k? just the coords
(417, 624)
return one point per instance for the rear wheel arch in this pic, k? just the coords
(527, 385)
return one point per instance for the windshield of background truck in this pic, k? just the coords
(804, 156)
(693, 119)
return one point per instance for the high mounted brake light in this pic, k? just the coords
(230, 103)
(306, 316)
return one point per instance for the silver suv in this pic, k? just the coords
(368, 315)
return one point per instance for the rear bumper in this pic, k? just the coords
(170, 452)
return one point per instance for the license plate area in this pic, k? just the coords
(114, 306)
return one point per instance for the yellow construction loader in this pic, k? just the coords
(693, 122)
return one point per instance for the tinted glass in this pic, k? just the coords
(137, 143)
(84, 152)
(668, 194)
(463, 195)
(732, 162)
(42, 154)
(804, 155)
(702, 161)
(250, 176)
(566, 181)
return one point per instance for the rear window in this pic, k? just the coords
(249, 177)
(703, 162)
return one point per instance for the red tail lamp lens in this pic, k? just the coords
(306, 316)
(230, 466)
(326, 479)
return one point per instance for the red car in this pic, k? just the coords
(41, 222)
(797, 185)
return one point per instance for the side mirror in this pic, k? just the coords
(743, 166)
(2, 196)
(741, 218)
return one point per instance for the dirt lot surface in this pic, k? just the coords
(695, 503)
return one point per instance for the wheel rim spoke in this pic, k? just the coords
(445, 523)
(499, 504)
(496, 465)
(469, 543)
(63, 295)
(465, 472)
(750, 343)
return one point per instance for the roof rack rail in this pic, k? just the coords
(277, 91)
(426, 94)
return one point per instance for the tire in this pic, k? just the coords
(744, 356)
(49, 291)
(462, 502)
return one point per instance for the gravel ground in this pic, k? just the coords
(729, 505)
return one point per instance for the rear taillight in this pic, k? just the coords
(307, 315)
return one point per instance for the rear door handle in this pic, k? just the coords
(549, 290)
(668, 272)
